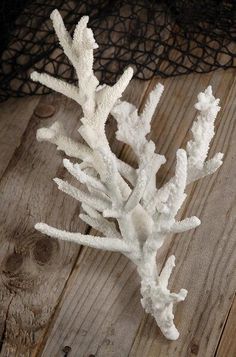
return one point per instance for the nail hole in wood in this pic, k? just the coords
(44, 111)
(66, 350)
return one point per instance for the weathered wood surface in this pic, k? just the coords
(56, 294)
(227, 345)
(14, 118)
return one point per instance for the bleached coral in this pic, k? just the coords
(145, 214)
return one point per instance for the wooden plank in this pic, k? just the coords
(35, 268)
(100, 312)
(227, 345)
(15, 114)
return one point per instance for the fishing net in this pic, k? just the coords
(165, 38)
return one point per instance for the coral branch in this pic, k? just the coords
(122, 202)
(127, 171)
(208, 168)
(112, 244)
(166, 271)
(55, 135)
(151, 104)
(75, 170)
(107, 97)
(171, 196)
(158, 301)
(60, 86)
(185, 225)
(137, 192)
(102, 225)
(79, 50)
(203, 132)
(95, 202)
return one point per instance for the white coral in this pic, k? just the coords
(145, 215)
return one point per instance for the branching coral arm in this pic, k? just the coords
(166, 271)
(127, 171)
(164, 279)
(171, 196)
(151, 105)
(155, 161)
(102, 225)
(137, 192)
(97, 221)
(75, 170)
(209, 167)
(185, 225)
(177, 196)
(111, 244)
(203, 132)
(133, 128)
(107, 97)
(58, 85)
(79, 50)
(158, 300)
(55, 135)
(93, 201)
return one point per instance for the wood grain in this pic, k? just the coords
(14, 118)
(227, 346)
(34, 268)
(100, 312)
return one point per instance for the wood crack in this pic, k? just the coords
(224, 326)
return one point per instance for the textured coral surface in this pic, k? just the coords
(116, 192)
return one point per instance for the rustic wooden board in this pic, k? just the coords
(34, 268)
(55, 294)
(100, 312)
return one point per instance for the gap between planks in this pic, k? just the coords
(227, 342)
